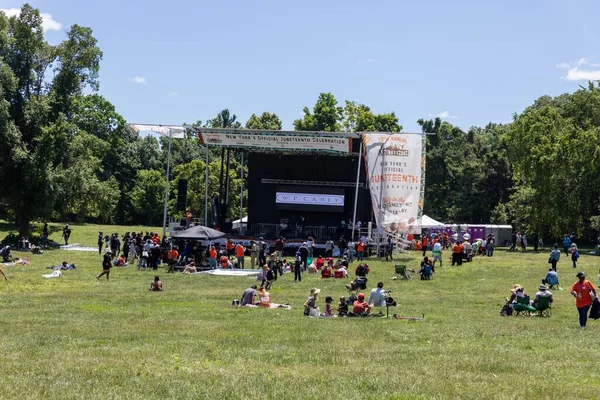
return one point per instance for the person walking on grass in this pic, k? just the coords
(582, 290)
(566, 244)
(100, 241)
(106, 264)
(574, 254)
(554, 256)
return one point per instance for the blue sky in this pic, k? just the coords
(471, 62)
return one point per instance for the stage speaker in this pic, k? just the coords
(182, 194)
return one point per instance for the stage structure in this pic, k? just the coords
(308, 182)
(315, 183)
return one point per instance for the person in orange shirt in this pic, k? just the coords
(212, 257)
(456, 254)
(156, 239)
(360, 251)
(224, 260)
(230, 247)
(582, 290)
(425, 244)
(173, 256)
(239, 253)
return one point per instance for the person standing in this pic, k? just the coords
(535, 239)
(297, 267)
(279, 243)
(425, 244)
(239, 254)
(554, 256)
(310, 244)
(304, 255)
(173, 256)
(582, 290)
(513, 241)
(574, 255)
(106, 264)
(212, 257)
(45, 235)
(437, 253)
(389, 249)
(360, 251)
(329, 248)
(66, 234)
(490, 245)
(566, 244)
(188, 218)
(262, 260)
(100, 242)
(253, 253)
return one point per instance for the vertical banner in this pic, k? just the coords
(395, 166)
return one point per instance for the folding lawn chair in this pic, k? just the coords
(543, 306)
(522, 306)
(402, 272)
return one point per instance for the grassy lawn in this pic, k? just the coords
(75, 337)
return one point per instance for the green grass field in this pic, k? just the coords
(75, 337)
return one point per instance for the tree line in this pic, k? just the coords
(67, 154)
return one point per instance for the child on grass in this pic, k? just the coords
(328, 309)
(342, 307)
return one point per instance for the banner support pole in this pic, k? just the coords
(356, 189)
(206, 188)
(164, 227)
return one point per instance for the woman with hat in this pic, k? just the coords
(311, 302)
(516, 291)
(582, 291)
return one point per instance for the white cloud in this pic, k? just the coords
(583, 61)
(444, 115)
(367, 61)
(576, 74)
(173, 94)
(139, 79)
(48, 22)
(563, 65)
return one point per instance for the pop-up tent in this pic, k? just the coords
(427, 222)
(199, 233)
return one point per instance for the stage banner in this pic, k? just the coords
(274, 141)
(395, 165)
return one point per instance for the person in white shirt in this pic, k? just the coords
(437, 253)
(328, 247)
(377, 296)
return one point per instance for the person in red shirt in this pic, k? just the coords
(445, 240)
(360, 306)
(582, 291)
(456, 254)
(425, 244)
(239, 253)
(188, 218)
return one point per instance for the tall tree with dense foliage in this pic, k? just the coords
(359, 118)
(267, 121)
(326, 115)
(554, 146)
(33, 100)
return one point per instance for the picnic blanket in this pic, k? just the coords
(271, 306)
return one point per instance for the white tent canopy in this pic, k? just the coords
(428, 222)
(237, 224)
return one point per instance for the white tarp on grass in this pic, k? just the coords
(231, 272)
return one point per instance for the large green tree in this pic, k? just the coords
(33, 100)
(554, 146)
(359, 118)
(326, 115)
(267, 120)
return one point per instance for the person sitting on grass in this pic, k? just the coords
(360, 306)
(156, 285)
(311, 302)
(362, 270)
(328, 309)
(342, 307)
(190, 268)
(426, 270)
(264, 298)
(248, 296)
(543, 292)
(551, 278)
(377, 297)
(320, 262)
